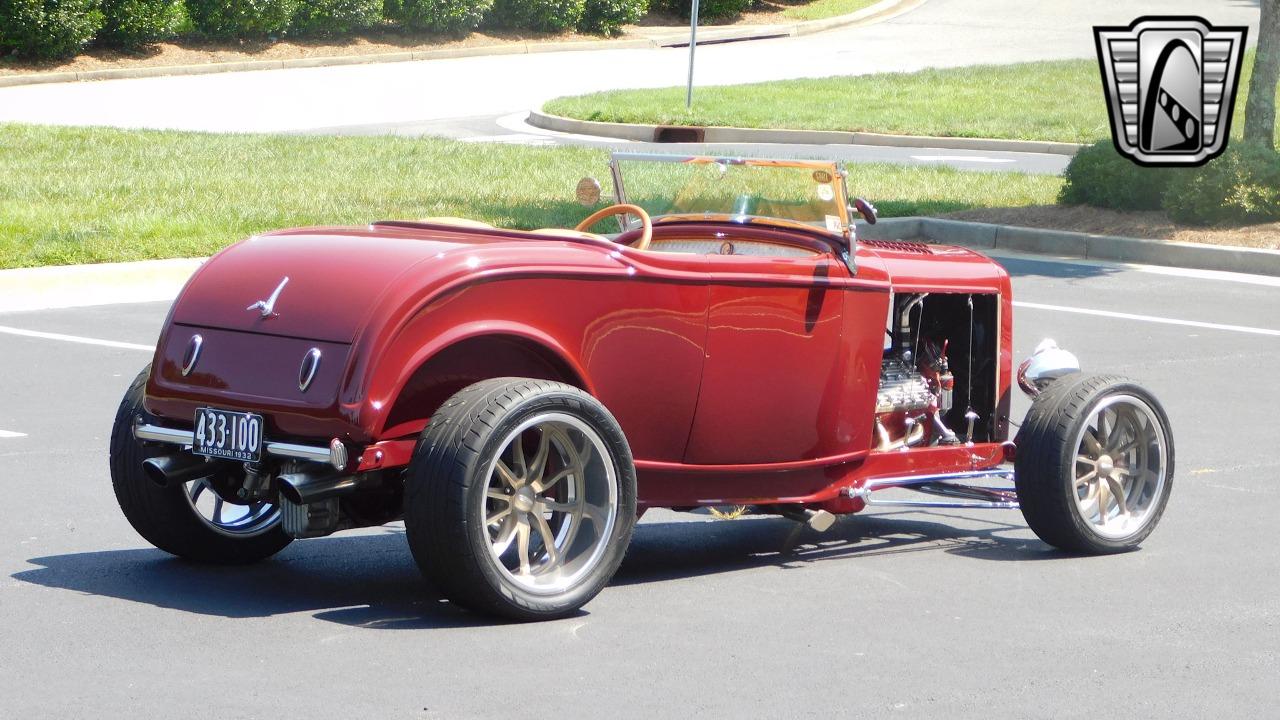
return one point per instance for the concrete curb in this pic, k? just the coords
(64, 286)
(648, 133)
(879, 12)
(985, 236)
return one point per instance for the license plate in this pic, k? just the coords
(229, 435)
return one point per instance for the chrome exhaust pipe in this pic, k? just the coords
(304, 488)
(176, 469)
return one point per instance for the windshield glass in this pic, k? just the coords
(797, 190)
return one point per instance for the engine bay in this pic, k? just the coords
(938, 372)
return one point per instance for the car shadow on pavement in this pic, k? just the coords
(370, 580)
(363, 580)
(669, 551)
(1062, 270)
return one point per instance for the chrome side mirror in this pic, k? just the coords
(1048, 363)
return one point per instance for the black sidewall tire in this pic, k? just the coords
(1045, 463)
(163, 516)
(447, 480)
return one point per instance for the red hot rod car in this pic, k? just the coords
(520, 398)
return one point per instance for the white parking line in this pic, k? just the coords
(1148, 318)
(11, 434)
(4, 329)
(512, 139)
(960, 158)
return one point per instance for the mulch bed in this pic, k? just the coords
(1150, 225)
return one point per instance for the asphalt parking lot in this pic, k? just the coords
(953, 615)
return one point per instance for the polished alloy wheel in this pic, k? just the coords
(231, 519)
(1120, 472)
(551, 503)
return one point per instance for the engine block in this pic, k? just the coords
(902, 388)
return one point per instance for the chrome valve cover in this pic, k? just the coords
(901, 388)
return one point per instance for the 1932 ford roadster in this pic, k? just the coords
(520, 398)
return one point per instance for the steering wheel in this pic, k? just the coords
(646, 225)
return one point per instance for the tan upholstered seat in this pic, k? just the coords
(457, 222)
(569, 233)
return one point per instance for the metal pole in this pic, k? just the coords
(693, 46)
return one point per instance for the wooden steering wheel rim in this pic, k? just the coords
(646, 225)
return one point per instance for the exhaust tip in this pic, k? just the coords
(289, 491)
(154, 472)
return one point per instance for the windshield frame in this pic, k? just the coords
(838, 174)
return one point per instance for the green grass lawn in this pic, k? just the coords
(1060, 100)
(72, 195)
(820, 9)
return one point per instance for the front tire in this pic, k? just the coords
(1094, 466)
(172, 518)
(520, 499)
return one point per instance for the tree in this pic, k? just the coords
(1260, 111)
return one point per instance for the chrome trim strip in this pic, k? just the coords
(331, 454)
(193, 354)
(307, 372)
(909, 481)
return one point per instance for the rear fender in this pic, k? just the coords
(403, 395)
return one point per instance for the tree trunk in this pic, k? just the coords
(1260, 111)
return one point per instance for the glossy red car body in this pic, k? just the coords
(737, 379)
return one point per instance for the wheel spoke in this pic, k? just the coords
(1085, 459)
(505, 474)
(1091, 443)
(1086, 478)
(1127, 447)
(542, 487)
(1102, 428)
(522, 544)
(1118, 492)
(539, 464)
(496, 494)
(505, 533)
(560, 507)
(491, 519)
(1104, 502)
(548, 539)
(217, 509)
(517, 453)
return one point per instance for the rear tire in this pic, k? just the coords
(167, 517)
(520, 499)
(1094, 466)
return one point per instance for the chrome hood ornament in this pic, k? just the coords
(268, 306)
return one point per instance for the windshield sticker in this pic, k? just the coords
(821, 176)
(833, 224)
(825, 193)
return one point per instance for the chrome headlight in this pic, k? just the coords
(1048, 363)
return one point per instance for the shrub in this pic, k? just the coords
(606, 17)
(241, 18)
(444, 16)
(1100, 176)
(1240, 186)
(48, 28)
(707, 9)
(133, 23)
(324, 17)
(542, 15)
